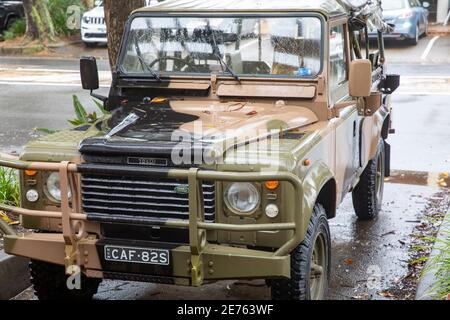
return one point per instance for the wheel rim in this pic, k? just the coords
(417, 33)
(318, 272)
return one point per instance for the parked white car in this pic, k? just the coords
(93, 26)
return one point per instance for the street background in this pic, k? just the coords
(368, 258)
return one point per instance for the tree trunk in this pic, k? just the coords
(39, 23)
(116, 15)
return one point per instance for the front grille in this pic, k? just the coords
(141, 197)
(95, 20)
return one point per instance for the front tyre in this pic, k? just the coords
(368, 194)
(310, 263)
(415, 38)
(50, 283)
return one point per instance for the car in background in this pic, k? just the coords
(410, 18)
(10, 11)
(93, 26)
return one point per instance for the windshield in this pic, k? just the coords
(393, 4)
(264, 46)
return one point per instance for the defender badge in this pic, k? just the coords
(148, 161)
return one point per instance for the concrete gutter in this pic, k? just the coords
(430, 278)
(14, 275)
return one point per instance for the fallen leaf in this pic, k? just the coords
(385, 294)
(363, 296)
(5, 218)
(443, 175)
(348, 261)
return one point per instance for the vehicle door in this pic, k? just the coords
(346, 134)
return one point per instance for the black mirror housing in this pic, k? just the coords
(89, 73)
(389, 84)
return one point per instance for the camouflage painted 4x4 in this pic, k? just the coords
(236, 129)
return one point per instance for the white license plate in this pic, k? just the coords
(137, 255)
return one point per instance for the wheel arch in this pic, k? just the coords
(319, 186)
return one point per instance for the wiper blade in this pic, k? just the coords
(218, 55)
(144, 64)
(130, 120)
(227, 67)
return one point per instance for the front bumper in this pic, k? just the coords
(93, 35)
(191, 264)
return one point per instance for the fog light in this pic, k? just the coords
(272, 211)
(32, 195)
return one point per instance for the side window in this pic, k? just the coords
(338, 62)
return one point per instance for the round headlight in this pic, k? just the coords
(242, 197)
(54, 187)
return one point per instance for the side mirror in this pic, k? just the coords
(425, 4)
(360, 78)
(89, 73)
(389, 84)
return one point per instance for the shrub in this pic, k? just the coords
(17, 29)
(9, 187)
(58, 12)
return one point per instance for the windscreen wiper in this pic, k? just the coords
(130, 120)
(216, 52)
(143, 63)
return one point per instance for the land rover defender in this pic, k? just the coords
(235, 129)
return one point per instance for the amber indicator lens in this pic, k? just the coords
(272, 185)
(31, 173)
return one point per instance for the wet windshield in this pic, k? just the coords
(264, 46)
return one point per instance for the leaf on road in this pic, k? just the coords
(443, 175)
(348, 261)
(364, 296)
(386, 294)
(5, 218)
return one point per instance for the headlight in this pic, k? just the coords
(86, 19)
(54, 187)
(242, 197)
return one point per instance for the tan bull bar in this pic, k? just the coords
(73, 219)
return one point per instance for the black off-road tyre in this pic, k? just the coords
(49, 283)
(305, 282)
(368, 193)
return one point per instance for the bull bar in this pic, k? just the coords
(73, 219)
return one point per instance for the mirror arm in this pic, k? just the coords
(341, 105)
(98, 96)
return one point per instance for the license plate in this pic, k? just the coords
(137, 255)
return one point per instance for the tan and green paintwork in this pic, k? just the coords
(223, 250)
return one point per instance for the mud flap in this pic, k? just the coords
(387, 159)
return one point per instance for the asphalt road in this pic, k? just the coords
(360, 249)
